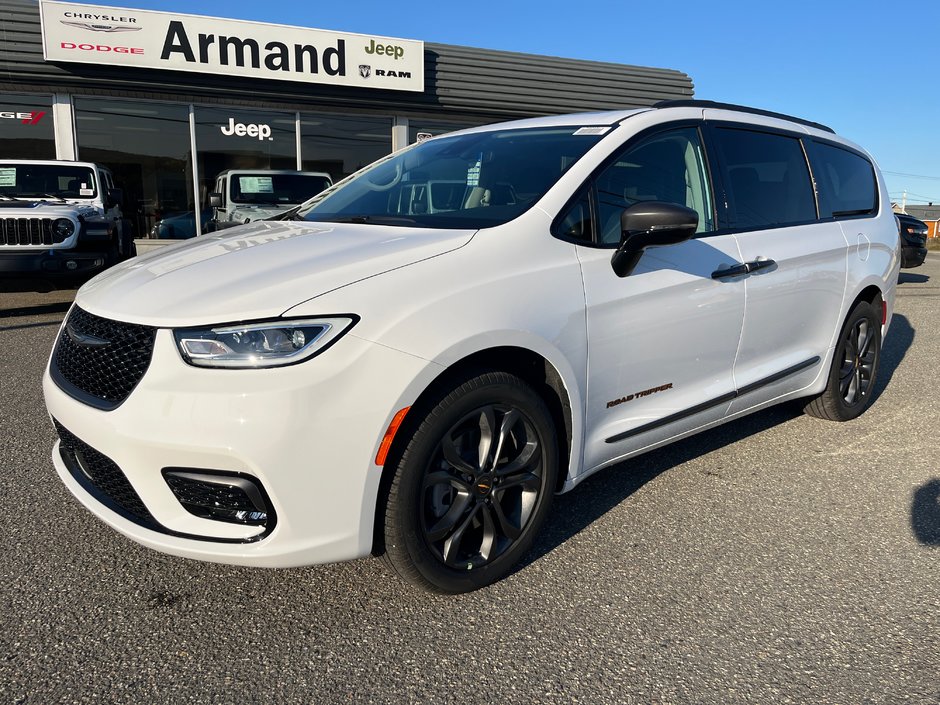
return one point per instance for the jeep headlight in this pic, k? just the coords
(255, 345)
(63, 228)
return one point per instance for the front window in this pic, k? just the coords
(470, 181)
(47, 181)
(276, 189)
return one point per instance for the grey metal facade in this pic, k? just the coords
(460, 82)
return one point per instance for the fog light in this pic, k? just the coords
(71, 264)
(220, 496)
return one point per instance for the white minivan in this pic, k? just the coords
(414, 361)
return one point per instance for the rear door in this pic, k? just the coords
(797, 262)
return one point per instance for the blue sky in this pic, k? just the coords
(867, 69)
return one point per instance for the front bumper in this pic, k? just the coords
(308, 433)
(912, 256)
(51, 263)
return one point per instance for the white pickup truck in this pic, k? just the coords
(243, 196)
(59, 220)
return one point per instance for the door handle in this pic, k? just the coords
(738, 270)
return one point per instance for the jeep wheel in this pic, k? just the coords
(473, 485)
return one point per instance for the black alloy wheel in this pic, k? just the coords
(854, 369)
(473, 485)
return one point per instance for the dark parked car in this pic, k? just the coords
(913, 240)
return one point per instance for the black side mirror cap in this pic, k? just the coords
(650, 224)
(215, 199)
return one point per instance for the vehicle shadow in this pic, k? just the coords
(925, 513)
(39, 310)
(908, 278)
(574, 511)
(895, 347)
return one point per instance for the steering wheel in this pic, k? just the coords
(396, 177)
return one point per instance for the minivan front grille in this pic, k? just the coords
(28, 231)
(99, 361)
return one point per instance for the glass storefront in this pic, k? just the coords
(341, 145)
(26, 127)
(423, 129)
(234, 138)
(147, 148)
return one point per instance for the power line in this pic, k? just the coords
(911, 176)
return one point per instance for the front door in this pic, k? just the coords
(661, 341)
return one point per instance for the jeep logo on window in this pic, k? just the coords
(261, 131)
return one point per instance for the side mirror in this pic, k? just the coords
(650, 224)
(113, 197)
(215, 200)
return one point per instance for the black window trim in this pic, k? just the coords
(589, 183)
(724, 228)
(848, 215)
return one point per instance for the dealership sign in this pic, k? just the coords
(163, 40)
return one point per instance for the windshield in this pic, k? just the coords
(47, 181)
(276, 189)
(467, 181)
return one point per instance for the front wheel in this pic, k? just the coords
(473, 485)
(854, 367)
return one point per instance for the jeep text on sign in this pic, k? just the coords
(162, 40)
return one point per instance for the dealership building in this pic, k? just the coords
(168, 101)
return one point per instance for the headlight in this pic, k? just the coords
(63, 227)
(254, 345)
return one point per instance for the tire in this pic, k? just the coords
(473, 485)
(854, 369)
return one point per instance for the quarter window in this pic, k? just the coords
(846, 181)
(766, 179)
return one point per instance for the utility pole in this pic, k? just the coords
(903, 202)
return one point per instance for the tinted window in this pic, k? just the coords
(26, 130)
(468, 181)
(846, 181)
(668, 166)
(766, 179)
(147, 148)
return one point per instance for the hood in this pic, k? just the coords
(28, 208)
(254, 213)
(255, 271)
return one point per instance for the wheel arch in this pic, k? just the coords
(528, 365)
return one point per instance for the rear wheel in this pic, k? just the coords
(473, 485)
(854, 367)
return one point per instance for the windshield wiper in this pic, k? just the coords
(52, 195)
(370, 220)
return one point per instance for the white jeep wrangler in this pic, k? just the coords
(244, 196)
(59, 220)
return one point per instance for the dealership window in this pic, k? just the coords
(147, 147)
(233, 138)
(26, 128)
(340, 145)
(424, 129)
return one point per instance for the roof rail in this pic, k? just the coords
(739, 108)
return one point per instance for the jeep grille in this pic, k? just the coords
(28, 231)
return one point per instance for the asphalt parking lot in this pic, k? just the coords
(779, 559)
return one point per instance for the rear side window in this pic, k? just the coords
(845, 180)
(766, 179)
